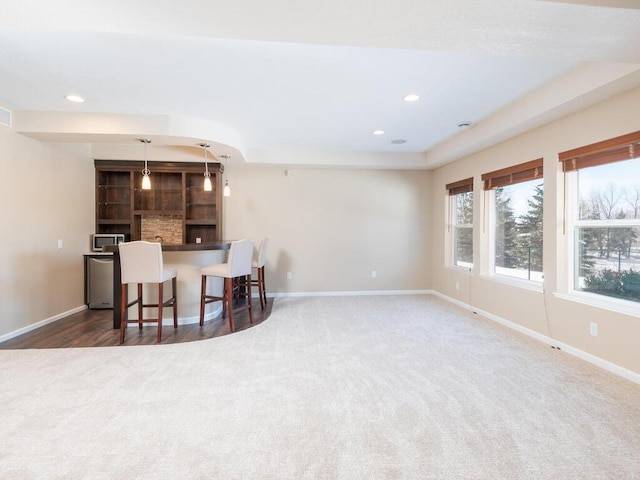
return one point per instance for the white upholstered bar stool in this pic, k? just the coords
(141, 262)
(238, 267)
(258, 263)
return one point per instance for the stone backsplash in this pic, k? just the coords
(169, 227)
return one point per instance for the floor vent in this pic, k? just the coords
(5, 117)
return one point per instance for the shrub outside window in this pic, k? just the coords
(607, 232)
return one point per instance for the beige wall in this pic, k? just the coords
(331, 227)
(564, 320)
(46, 193)
(328, 227)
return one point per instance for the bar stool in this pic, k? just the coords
(141, 262)
(258, 263)
(237, 268)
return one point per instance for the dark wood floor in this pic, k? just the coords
(94, 328)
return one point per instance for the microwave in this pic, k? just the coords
(100, 240)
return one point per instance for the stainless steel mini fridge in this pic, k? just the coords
(99, 281)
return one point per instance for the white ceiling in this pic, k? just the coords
(320, 75)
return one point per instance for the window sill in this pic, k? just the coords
(459, 268)
(594, 300)
(517, 282)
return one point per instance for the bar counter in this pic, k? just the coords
(187, 259)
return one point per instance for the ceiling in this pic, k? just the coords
(291, 74)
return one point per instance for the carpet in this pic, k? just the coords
(380, 387)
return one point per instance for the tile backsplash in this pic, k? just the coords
(168, 227)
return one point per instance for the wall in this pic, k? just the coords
(328, 227)
(540, 311)
(331, 227)
(46, 193)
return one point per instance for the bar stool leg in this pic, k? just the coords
(123, 310)
(140, 305)
(203, 292)
(261, 288)
(174, 294)
(160, 302)
(249, 299)
(228, 300)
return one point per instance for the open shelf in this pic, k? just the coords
(176, 192)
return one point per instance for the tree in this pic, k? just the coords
(529, 232)
(606, 203)
(587, 239)
(506, 231)
(464, 236)
(632, 198)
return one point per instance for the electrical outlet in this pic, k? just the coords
(457, 285)
(288, 275)
(374, 274)
(59, 244)
(593, 329)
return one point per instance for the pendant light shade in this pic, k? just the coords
(207, 176)
(226, 191)
(146, 180)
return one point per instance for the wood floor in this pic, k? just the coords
(94, 328)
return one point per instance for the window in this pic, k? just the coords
(518, 194)
(605, 216)
(461, 208)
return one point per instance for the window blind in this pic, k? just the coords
(512, 175)
(461, 186)
(615, 149)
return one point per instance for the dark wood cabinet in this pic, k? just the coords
(176, 207)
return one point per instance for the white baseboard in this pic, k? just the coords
(576, 352)
(42, 323)
(350, 293)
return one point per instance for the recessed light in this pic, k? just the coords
(74, 98)
(398, 141)
(465, 124)
(412, 97)
(378, 132)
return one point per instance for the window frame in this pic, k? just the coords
(624, 147)
(524, 172)
(455, 189)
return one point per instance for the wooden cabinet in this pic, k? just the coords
(200, 214)
(113, 201)
(177, 208)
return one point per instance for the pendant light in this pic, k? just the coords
(207, 176)
(226, 191)
(146, 180)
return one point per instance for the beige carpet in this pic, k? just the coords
(406, 387)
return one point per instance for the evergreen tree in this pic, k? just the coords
(529, 228)
(464, 216)
(506, 231)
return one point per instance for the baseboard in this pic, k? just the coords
(167, 321)
(350, 293)
(576, 352)
(42, 323)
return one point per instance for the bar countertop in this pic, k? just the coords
(185, 247)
